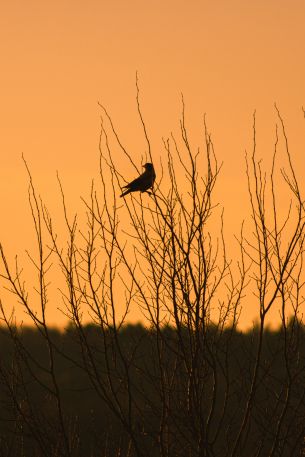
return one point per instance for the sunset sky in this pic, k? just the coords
(59, 58)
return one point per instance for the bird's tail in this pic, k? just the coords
(125, 193)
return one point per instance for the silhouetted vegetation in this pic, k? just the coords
(96, 406)
(190, 383)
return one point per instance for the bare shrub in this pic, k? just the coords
(190, 383)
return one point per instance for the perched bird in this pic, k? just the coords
(144, 182)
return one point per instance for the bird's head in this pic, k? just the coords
(148, 166)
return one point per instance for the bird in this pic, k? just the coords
(144, 182)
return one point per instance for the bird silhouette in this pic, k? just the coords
(144, 182)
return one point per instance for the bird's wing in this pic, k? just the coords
(136, 182)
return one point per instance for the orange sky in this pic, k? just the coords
(58, 58)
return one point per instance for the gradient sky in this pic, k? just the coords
(58, 58)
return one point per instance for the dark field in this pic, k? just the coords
(95, 392)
